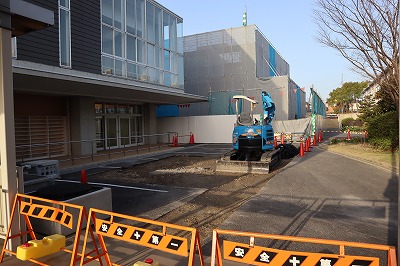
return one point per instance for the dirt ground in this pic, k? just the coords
(225, 191)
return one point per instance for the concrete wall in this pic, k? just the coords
(82, 123)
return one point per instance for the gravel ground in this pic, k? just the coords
(225, 192)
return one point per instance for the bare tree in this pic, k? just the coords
(366, 33)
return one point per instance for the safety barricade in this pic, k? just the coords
(46, 210)
(250, 254)
(119, 227)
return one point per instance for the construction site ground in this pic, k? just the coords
(321, 195)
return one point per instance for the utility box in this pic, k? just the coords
(38, 174)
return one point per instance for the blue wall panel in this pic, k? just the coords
(272, 61)
(167, 110)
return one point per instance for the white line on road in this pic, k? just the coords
(119, 186)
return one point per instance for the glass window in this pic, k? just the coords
(167, 79)
(131, 48)
(107, 64)
(140, 17)
(65, 34)
(118, 43)
(142, 73)
(99, 108)
(118, 17)
(14, 47)
(166, 30)
(107, 11)
(166, 60)
(130, 16)
(150, 22)
(159, 54)
(150, 55)
(140, 51)
(158, 26)
(151, 72)
(119, 68)
(181, 75)
(131, 71)
(174, 63)
(172, 34)
(110, 108)
(180, 37)
(64, 3)
(107, 40)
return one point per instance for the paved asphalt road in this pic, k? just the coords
(324, 195)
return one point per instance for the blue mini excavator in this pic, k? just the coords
(252, 139)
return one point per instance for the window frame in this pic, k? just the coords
(68, 11)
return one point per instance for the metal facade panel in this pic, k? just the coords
(41, 46)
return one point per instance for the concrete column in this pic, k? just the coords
(150, 122)
(82, 122)
(8, 174)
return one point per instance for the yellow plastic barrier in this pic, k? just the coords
(249, 253)
(39, 248)
(50, 210)
(138, 235)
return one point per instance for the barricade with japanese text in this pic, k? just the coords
(247, 252)
(35, 250)
(142, 232)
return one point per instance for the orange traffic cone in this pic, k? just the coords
(191, 141)
(84, 179)
(282, 138)
(320, 136)
(176, 141)
(275, 142)
(348, 134)
(307, 145)
(315, 139)
(301, 150)
(173, 141)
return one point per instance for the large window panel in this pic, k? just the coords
(159, 54)
(180, 37)
(158, 26)
(118, 14)
(130, 17)
(150, 55)
(150, 22)
(172, 34)
(65, 34)
(167, 65)
(107, 64)
(119, 68)
(119, 44)
(140, 17)
(166, 30)
(140, 51)
(107, 11)
(132, 71)
(107, 40)
(131, 48)
(174, 63)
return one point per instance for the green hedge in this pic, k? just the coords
(383, 131)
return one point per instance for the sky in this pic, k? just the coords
(287, 24)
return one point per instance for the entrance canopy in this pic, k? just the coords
(38, 78)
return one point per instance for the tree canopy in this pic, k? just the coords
(342, 97)
(365, 33)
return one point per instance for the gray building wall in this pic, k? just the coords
(228, 62)
(43, 46)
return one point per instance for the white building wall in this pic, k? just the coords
(206, 129)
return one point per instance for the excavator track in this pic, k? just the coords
(269, 160)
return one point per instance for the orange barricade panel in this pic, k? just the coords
(255, 255)
(251, 254)
(136, 235)
(141, 232)
(49, 210)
